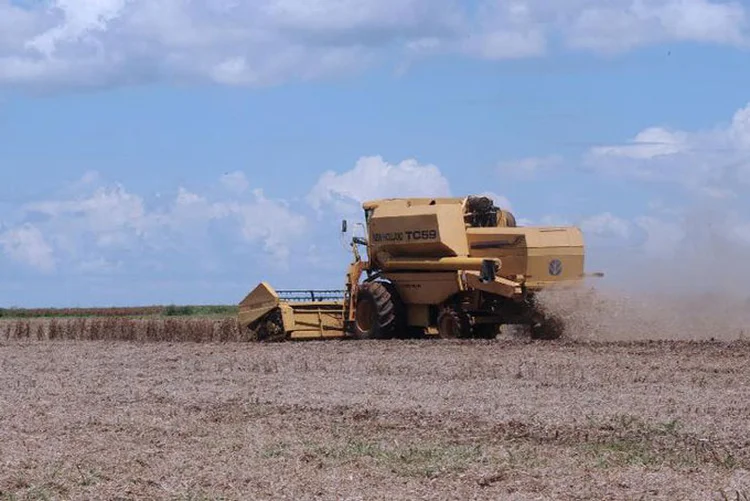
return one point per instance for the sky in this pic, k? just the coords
(162, 151)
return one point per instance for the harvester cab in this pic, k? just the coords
(456, 267)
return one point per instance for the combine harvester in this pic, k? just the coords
(452, 267)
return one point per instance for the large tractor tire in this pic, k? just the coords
(379, 313)
(452, 323)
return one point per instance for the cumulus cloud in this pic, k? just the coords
(111, 42)
(606, 225)
(649, 143)
(711, 162)
(373, 178)
(27, 245)
(615, 26)
(100, 225)
(506, 30)
(111, 214)
(235, 182)
(119, 42)
(271, 222)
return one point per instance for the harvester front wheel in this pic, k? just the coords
(378, 314)
(453, 323)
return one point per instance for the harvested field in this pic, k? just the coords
(505, 419)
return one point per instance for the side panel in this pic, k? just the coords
(425, 288)
(257, 303)
(287, 317)
(555, 264)
(422, 230)
(542, 255)
(418, 314)
(555, 255)
(315, 320)
(515, 259)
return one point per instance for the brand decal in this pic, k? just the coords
(555, 267)
(406, 236)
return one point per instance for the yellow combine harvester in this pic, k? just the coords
(455, 267)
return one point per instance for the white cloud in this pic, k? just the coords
(709, 162)
(77, 20)
(373, 178)
(112, 214)
(27, 245)
(615, 26)
(254, 218)
(606, 225)
(273, 223)
(235, 182)
(739, 130)
(506, 30)
(322, 18)
(93, 228)
(114, 42)
(649, 143)
(189, 214)
(110, 42)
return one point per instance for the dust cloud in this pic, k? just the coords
(700, 290)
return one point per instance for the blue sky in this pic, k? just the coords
(163, 152)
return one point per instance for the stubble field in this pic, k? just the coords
(504, 419)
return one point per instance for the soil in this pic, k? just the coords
(369, 420)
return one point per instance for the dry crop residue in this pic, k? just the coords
(506, 419)
(199, 329)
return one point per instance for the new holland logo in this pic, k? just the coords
(555, 267)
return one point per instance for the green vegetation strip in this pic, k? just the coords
(133, 311)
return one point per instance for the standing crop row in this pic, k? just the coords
(125, 329)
